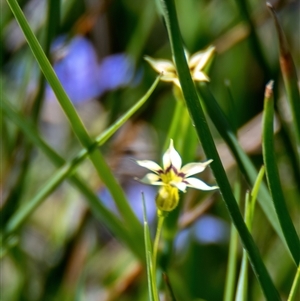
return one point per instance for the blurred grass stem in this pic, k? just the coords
(290, 78)
(67, 168)
(295, 287)
(160, 220)
(233, 253)
(80, 131)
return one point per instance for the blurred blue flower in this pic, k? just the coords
(82, 76)
(206, 230)
(133, 192)
(209, 229)
(116, 71)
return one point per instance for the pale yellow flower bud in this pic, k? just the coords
(167, 198)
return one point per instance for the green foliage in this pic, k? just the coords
(71, 207)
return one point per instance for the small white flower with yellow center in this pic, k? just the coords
(196, 64)
(172, 177)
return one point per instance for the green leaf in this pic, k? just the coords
(233, 254)
(96, 157)
(246, 166)
(205, 136)
(67, 169)
(290, 78)
(294, 293)
(148, 250)
(284, 217)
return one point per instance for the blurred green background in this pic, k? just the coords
(97, 48)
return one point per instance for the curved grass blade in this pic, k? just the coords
(294, 293)
(68, 168)
(168, 284)
(284, 217)
(233, 254)
(255, 44)
(13, 200)
(148, 250)
(246, 166)
(198, 119)
(289, 74)
(242, 287)
(80, 131)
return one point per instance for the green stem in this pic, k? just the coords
(199, 120)
(246, 166)
(290, 79)
(295, 287)
(80, 131)
(242, 287)
(232, 257)
(161, 217)
(68, 168)
(253, 37)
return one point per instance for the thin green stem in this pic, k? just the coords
(67, 168)
(242, 286)
(232, 257)
(148, 249)
(161, 217)
(290, 78)
(250, 203)
(253, 37)
(80, 131)
(254, 193)
(246, 166)
(199, 120)
(295, 287)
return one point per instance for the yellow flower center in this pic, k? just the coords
(170, 176)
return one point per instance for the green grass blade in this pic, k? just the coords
(255, 44)
(16, 192)
(289, 74)
(148, 250)
(242, 287)
(79, 291)
(68, 168)
(205, 136)
(169, 287)
(246, 166)
(294, 293)
(284, 217)
(96, 157)
(254, 193)
(233, 254)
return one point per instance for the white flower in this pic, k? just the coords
(172, 177)
(173, 174)
(196, 64)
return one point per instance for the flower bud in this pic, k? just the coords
(167, 198)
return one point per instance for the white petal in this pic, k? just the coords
(151, 165)
(176, 82)
(198, 184)
(161, 66)
(152, 179)
(201, 58)
(168, 76)
(199, 76)
(195, 59)
(180, 185)
(171, 156)
(194, 168)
